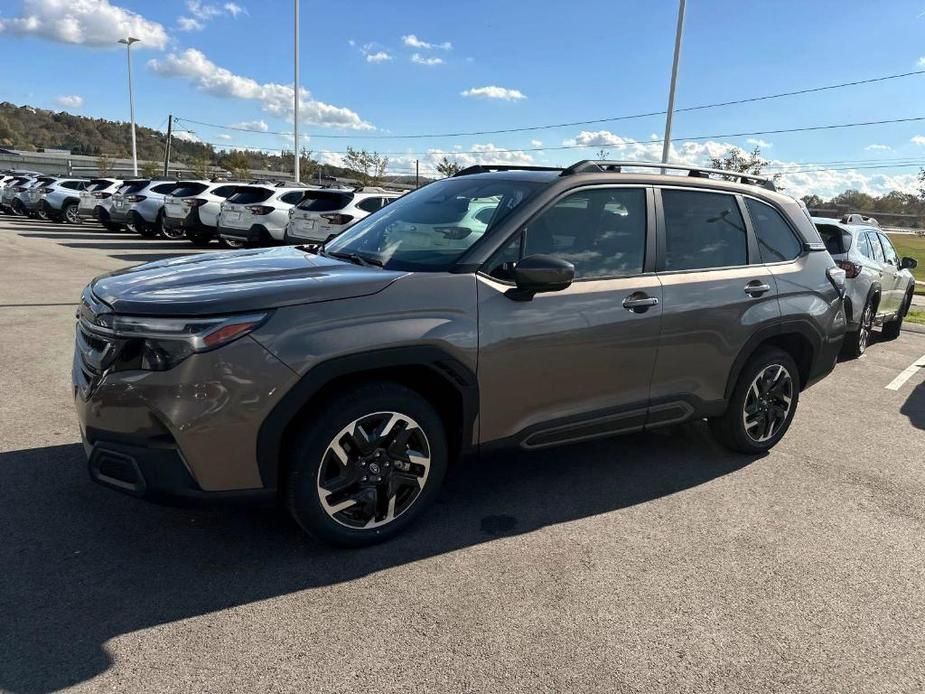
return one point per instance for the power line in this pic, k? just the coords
(597, 121)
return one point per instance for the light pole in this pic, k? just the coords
(128, 41)
(666, 146)
(295, 100)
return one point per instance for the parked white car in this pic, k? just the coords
(96, 199)
(60, 199)
(17, 184)
(140, 204)
(30, 199)
(257, 214)
(193, 208)
(325, 213)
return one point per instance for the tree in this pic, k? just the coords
(150, 169)
(736, 160)
(603, 154)
(448, 168)
(200, 166)
(103, 165)
(237, 163)
(813, 201)
(367, 167)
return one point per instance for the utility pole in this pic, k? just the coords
(295, 101)
(167, 147)
(128, 41)
(417, 173)
(666, 145)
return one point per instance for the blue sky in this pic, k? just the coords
(372, 69)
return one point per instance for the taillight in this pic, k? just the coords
(102, 196)
(337, 218)
(45, 190)
(19, 189)
(195, 202)
(852, 270)
(259, 209)
(836, 276)
(136, 198)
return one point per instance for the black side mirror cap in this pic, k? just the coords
(908, 263)
(542, 273)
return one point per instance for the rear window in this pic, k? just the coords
(133, 187)
(224, 191)
(325, 201)
(836, 239)
(249, 195)
(98, 185)
(185, 190)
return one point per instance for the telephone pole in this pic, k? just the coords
(295, 104)
(167, 147)
(128, 41)
(666, 146)
(417, 173)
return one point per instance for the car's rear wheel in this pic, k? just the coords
(199, 240)
(71, 213)
(762, 405)
(173, 233)
(856, 342)
(891, 329)
(367, 465)
(40, 213)
(18, 208)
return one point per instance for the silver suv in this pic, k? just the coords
(60, 199)
(323, 214)
(342, 378)
(96, 201)
(257, 214)
(879, 286)
(139, 204)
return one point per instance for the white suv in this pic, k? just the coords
(96, 199)
(325, 213)
(193, 209)
(257, 214)
(140, 204)
(15, 185)
(60, 198)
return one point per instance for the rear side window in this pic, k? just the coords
(133, 187)
(776, 241)
(74, 185)
(292, 198)
(326, 201)
(163, 188)
(224, 191)
(702, 230)
(249, 195)
(98, 185)
(888, 251)
(836, 240)
(370, 204)
(875, 246)
(188, 189)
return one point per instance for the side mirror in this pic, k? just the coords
(542, 273)
(908, 263)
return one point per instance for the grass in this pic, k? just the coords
(913, 246)
(916, 315)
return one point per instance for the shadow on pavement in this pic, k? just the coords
(82, 564)
(914, 407)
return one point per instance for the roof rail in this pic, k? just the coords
(486, 168)
(857, 218)
(604, 166)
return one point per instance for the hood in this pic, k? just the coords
(236, 282)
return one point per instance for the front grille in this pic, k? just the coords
(95, 351)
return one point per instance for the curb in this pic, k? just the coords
(913, 328)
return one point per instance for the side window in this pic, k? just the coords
(776, 242)
(73, 185)
(864, 246)
(370, 204)
(601, 231)
(224, 191)
(875, 246)
(888, 251)
(702, 230)
(163, 188)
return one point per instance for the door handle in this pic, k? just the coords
(639, 302)
(757, 288)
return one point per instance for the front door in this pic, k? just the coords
(891, 282)
(573, 364)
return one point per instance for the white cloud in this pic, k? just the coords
(73, 101)
(423, 60)
(275, 99)
(189, 24)
(598, 138)
(224, 136)
(918, 139)
(84, 22)
(185, 136)
(202, 10)
(493, 92)
(260, 125)
(922, 61)
(761, 144)
(878, 148)
(413, 41)
(536, 143)
(378, 57)
(234, 9)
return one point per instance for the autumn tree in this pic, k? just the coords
(447, 167)
(237, 163)
(103, 165)
(367, 167)
(150, 169)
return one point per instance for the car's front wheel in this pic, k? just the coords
(71, 213)
(762, 405)
(366, 465)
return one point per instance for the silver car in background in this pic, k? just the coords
(96, 200)
(879, 286)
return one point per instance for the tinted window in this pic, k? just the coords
(224, 191)
(74, 185)
(484, 216)
(875, 246)
(133, 187)
(776, 241)
(325, 201)
(98, 185)
(249, 195)
(370, 204)
(185, 190)
(293, 197)
(888, 251)
(163, 188)
(602, 232)
(702, 230)
(836, 240)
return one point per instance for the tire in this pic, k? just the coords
(891, 329)
(856, 342)
(147, 231)
(17, 208)
(43, 215)
(234, 244)
(174, 234)
(199, 241)
(769, 387)
(70, 213)
(381, 412)
(112, 226)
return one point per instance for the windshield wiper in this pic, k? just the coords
(355, 258)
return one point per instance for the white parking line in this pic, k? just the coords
(906, 374)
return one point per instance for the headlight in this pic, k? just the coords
(158, 344)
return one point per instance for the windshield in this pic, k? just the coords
(429, 229)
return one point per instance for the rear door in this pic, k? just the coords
(883, 278)
(717, 293)
(897, 283)
(575, 363)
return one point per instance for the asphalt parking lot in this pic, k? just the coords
(658, 562)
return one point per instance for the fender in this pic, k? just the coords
(455, 374)
(69, 200)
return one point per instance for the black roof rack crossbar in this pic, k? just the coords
(604, 166)
(486, 168)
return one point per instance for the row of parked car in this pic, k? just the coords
(236, 213)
